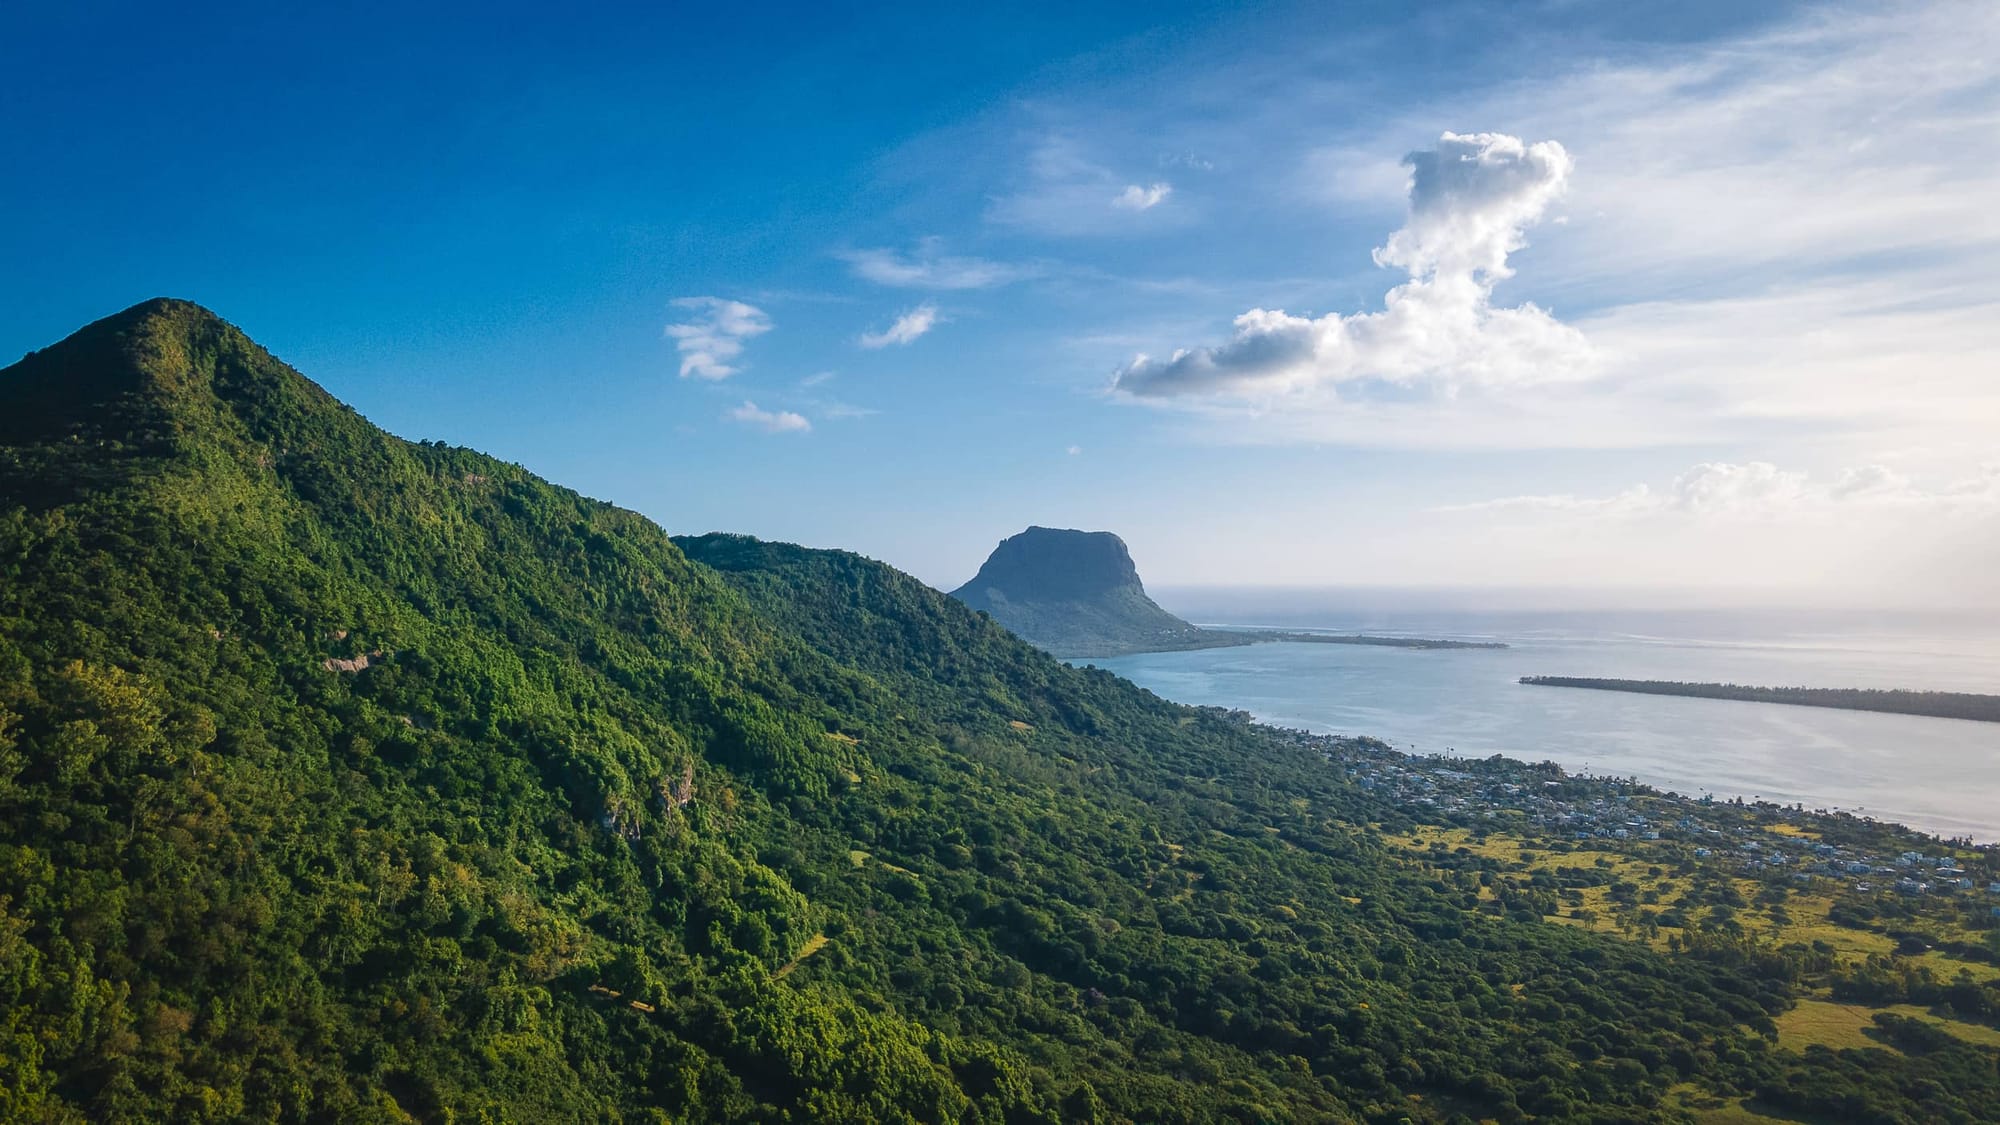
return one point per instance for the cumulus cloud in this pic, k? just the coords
(907, 328)
(928, 268)
(1472, 199)
(713, 334)
(769, 421)
(1136, 198)
(1762, 490)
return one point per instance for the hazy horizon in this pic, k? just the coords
(1222, 601)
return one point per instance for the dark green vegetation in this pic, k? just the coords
(1077, 594)
(349, 779)
(1936, 704)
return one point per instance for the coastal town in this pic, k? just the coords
(1876, 875)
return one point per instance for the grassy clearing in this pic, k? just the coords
(1947, 966)
(859, 858)
(1830, 1023)
(813, 945)
(1708, 1109)
(1805, 911)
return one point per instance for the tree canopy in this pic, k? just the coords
(348, 778)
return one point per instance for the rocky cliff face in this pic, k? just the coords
(1074, 593)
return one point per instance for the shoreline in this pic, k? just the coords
(1880, 765)
(1549, 771)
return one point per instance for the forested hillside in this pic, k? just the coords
(349, 779)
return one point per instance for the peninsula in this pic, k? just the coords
(1936, 704)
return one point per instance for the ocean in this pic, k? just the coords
(1939, 775)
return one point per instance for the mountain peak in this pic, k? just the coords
(163, 357)
(145, 336)
(1048, 562)
(164, 382)
(1076, 593)
(104, 375)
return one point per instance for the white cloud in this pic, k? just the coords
(1064, 189)
(1854, 130)
(713, 336)
(770, 421)
(1075, 450)
(1472, 199)
(1753, 487)
(1759, 490)
(817, 378)
(907, 328)
(927, 268)
(1866, 534)
(1775, 243)
(1136, 198)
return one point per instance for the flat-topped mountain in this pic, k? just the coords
(1078, 594)
(1075, 593)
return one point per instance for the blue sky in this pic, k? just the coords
(1697, 296)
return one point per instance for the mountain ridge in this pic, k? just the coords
(613, 827)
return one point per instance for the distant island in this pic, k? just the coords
(1078, 594)
(1936, 704)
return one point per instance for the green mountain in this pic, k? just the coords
(344, 778)
(1074, 593)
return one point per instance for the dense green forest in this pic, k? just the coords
(1936, 704)
(344, 778)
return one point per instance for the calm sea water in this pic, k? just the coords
(1941, 775)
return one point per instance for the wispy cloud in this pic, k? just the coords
(1065, 191)
(1760, 490)
(769, 421)
(907, 328)
(1852, 131)
(713, 335)
(846, 410)
(1472, 199)
(927, 267)
(1136, 198)
(817, 378)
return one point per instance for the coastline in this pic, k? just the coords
(1208, 637)
(1919, 771)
